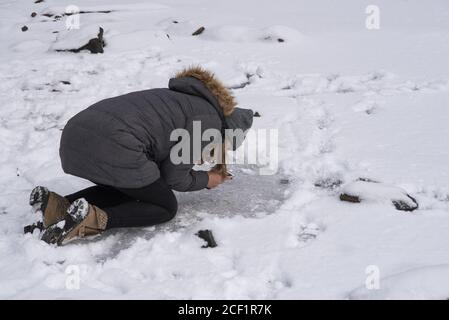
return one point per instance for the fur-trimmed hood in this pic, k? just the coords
(215, 86)
(200, 82)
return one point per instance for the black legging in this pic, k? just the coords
(146, 206)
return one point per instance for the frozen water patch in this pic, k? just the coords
(238, 198)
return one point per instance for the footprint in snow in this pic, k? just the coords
(308, 232)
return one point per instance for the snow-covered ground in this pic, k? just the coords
(348, 102)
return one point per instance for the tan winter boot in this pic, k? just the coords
(52, 206)
(82, 220)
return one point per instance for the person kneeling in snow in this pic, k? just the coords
(123, 145)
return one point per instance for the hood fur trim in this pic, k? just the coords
(215, 86)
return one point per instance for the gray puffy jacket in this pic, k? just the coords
(125, 141)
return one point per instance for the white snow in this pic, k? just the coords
(420, 283)
(348, 103)
(377, 192)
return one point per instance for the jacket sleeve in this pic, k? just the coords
(181, 177)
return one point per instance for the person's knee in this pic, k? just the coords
(172, 209)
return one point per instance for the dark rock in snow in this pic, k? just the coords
(199, 31)
(257, 114)
(33, 14)
(38, 1)
(372, 191)
(367, 180)
(269, 38)
(349, 198)
(207, 236)
(284, 181)
(24, 28)
(84, 12)
(94, 45)
(404, 206)
(65, 82)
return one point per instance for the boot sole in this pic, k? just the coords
(56, 233)
(52, 234)
(39, 198)
(76, 213)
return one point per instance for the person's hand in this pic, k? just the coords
(215, 179)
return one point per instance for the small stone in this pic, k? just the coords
(367, 180)
(284, 181)
(349, 198)
(404, 206)
(367, 190)
(24, 28)
(256, 114)
(94, 45)
(207, 236)
(281, 40)
(38, 1)
(65, 82)
(174, 21)
(199, 31)
(33, 14)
